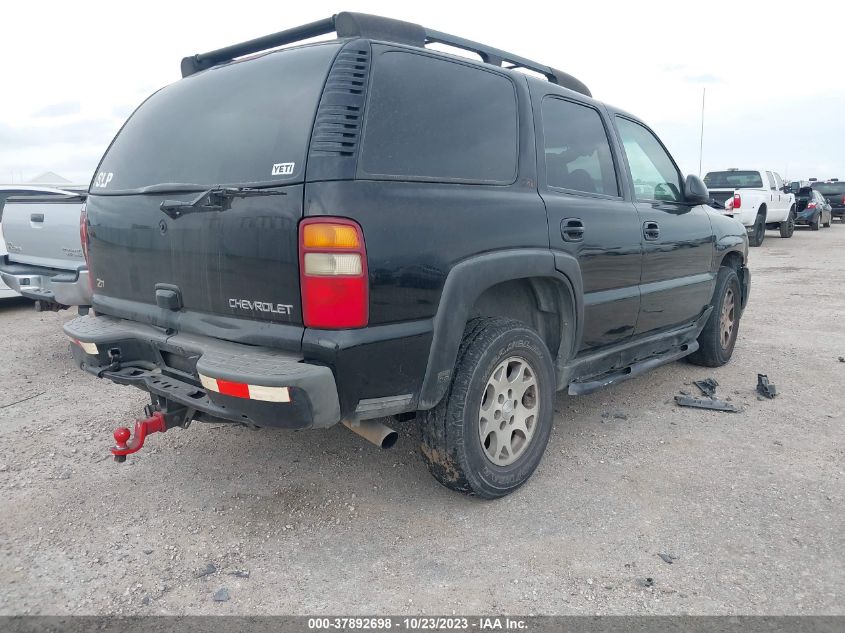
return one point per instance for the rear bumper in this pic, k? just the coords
(64, 287)
(283, 391)
(806, 217)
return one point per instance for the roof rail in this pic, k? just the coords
(347, 24)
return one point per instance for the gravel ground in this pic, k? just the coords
(750, 505)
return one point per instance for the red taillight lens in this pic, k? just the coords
(843, 199)
(737, 201)
(333, 274)
(83, 231)
(812, 205)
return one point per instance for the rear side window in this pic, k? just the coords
(577, 149)
(433, 119)
(243, 123)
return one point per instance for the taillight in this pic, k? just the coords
(812, 205)
(843, 199)
(737, 201)
(333, 273)
(83, 231)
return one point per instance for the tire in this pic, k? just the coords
(815, 226)
(758, 232)
(715, 346)
(828, 223)
(464, 444)
(788, 228)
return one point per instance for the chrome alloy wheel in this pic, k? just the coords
(508, 413)
(727, 319)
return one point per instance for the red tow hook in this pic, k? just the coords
(153, 424)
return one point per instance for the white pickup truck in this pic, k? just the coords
(44, 259)
(758, 198)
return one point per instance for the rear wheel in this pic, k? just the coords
(758, 231)
(816, 224)
(717, 339)
(788, 228)
(488, 434)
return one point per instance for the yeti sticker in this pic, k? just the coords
(103, 179)
(283, 169)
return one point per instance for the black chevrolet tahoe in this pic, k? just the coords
(364, 227)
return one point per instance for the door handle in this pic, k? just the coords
(651, 231)
(36, 217)
(572, 229)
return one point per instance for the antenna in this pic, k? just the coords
(701, 140)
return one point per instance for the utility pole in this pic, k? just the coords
(701, 140)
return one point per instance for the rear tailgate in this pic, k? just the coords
(241, 262)
(44, 231)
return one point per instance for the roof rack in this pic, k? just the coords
(347, 24)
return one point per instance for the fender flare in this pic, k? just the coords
(467, 281)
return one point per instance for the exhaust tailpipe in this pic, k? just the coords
(373, 431)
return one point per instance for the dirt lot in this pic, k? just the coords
(751, 504)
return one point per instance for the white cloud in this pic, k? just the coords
(77, 70)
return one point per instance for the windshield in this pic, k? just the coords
(733, 180)
(831, 187)
(246, 123)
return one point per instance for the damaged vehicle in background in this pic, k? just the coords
(44, 260)
(395, 231)
(813, 210)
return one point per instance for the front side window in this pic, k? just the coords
(652, 170)
(577, 150)
(434, 119)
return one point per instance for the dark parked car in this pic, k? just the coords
(812, 209)
(361, 228)
(834, 192)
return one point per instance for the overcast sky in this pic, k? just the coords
(73, 71)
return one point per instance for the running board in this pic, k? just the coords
(640, 367)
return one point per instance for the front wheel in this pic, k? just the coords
(788, 228)
(717, 339)
(828, 223)
(758, 231)
(488, 434)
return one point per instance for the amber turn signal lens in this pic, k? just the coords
(330, 236)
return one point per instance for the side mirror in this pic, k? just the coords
(695, 191)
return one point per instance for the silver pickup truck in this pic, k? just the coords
(44, 259)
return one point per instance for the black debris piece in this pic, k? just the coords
(842, 359)
(707, 386)
(706, 403)
(645, 582)
(765, 388)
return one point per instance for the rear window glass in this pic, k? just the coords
(433, 119)
(735, 179)
(826, 188)
(245, 123)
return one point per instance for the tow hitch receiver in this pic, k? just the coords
(124, 446)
